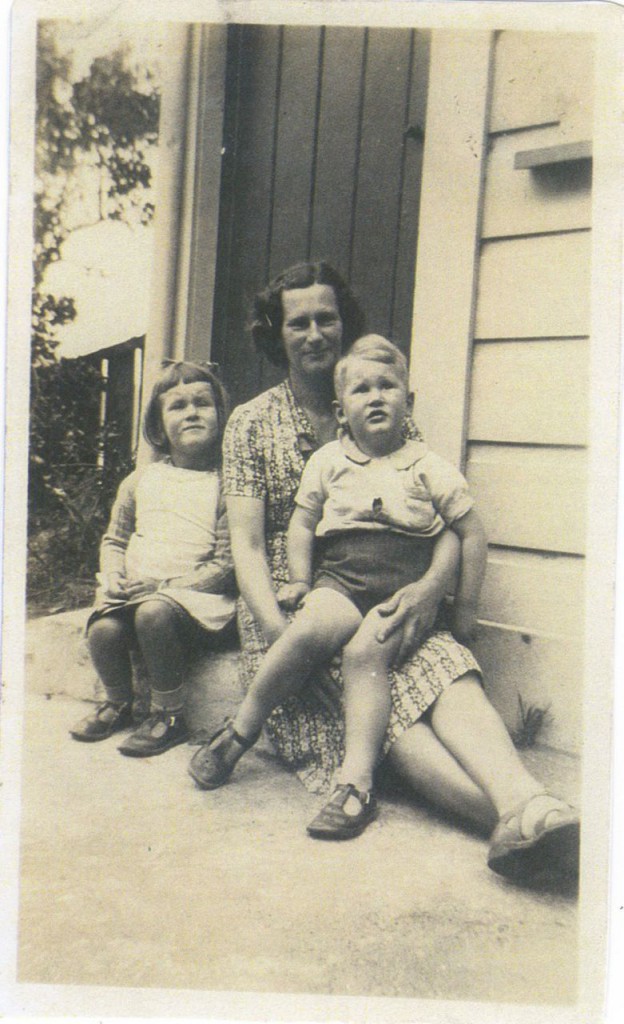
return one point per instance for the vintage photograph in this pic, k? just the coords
(290, 283)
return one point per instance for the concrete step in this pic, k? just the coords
(58, 663)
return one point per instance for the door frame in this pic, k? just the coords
(448, 236)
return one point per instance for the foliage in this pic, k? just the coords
(532, 720)
(71, 485)
(91, 164)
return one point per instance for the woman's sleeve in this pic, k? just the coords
(120, 528)
(244, 470)
(312, 492)
(410, 431)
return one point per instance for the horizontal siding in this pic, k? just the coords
(543, 671)
(530, 392)
(534, 287)
(527, 417)
(555, 197)
(530, 497)
(541, 77)
(533, 592)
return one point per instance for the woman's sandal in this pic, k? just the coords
(208, 766)
(551, 846)
(333, 822)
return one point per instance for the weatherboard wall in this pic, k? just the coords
(518, 416)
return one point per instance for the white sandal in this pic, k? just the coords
(552, 844)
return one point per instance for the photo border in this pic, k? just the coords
(598, 757)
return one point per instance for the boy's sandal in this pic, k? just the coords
(551, 846)
(208, 766)
(107, 719)
(333, 822)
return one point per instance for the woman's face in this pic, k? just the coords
(311, 329)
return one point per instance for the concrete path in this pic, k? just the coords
(130, 876)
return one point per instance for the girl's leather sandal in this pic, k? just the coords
(333, 822)
(208, 767)
(107, 719)
(552, 846)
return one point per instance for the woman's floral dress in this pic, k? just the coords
(267, 442)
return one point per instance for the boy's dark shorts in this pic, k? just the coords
(369, 566)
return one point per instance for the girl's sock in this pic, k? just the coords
(171, 701)
(118, 695)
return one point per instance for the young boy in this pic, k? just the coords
(371, 517)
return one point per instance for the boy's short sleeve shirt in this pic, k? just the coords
(412, 490)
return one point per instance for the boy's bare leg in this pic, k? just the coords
(365, 665)
(324, 624)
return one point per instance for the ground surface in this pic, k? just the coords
(130, 876)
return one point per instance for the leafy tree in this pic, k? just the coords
(92, 138)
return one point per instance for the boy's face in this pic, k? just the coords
(374, 404)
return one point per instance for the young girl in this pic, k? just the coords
(166, 575)
(374, 508)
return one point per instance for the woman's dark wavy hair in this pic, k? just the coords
(266, 317)
(184, 373)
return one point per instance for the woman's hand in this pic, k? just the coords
(139, 588)
(291, 595)
(247, 518)
(413, 610)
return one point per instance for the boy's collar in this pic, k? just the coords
(404, 457)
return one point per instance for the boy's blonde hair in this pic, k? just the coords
(377, 349)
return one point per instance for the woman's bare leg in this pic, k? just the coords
(425, 765)
(538, 835)
(472, 730)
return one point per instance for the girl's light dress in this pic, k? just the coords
(267, 443)
(169, 523)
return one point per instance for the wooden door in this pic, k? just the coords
(323, 150)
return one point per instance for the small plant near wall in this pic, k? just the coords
(532, 721)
